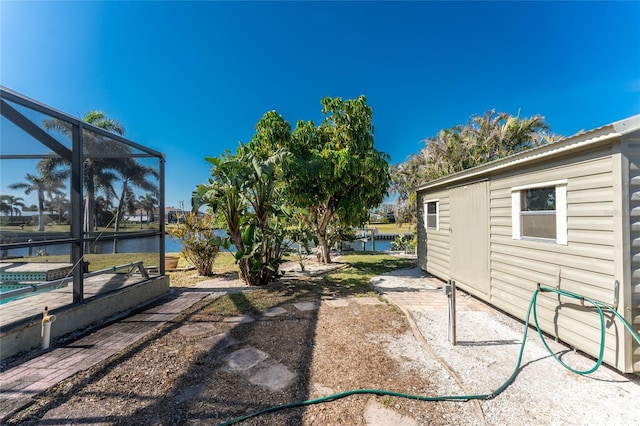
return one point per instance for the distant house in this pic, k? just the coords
(172, 214)
(563, 215)
(139, 215)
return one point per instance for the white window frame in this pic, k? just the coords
(426, 214)
(561, 211)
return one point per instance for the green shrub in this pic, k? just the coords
(200, 245)
(403, 243)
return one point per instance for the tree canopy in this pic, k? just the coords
(483, 138)
(334, 171)
(284, 185)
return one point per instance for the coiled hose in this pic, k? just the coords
(532, 307)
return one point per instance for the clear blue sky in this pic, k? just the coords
(191, 79)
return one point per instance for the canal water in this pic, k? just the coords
(151, 245)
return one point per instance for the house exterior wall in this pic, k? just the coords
(586, 265)
(631, 295)
(434, 242)
(597, 252)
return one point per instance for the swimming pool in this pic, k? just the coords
(13, 290)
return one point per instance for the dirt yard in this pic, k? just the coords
(182, 373)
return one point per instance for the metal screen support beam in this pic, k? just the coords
(162, 216)
(36, 132)
(77, 233)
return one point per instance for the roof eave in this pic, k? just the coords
(575, 142)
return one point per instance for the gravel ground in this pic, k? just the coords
(489, 342)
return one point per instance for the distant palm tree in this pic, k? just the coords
(10, 205)
(148, 203)
(133, 174)
(59, 204)
(104, 211)
(48, 182)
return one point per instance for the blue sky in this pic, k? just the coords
(191, 79)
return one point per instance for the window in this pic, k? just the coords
(431, 209)
(539, 212)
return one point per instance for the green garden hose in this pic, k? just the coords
(532, 306)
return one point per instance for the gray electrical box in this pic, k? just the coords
(446, 289)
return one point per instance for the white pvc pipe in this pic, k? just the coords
(46, 335)
(46, 328)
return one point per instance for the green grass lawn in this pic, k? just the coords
(354, 280)
(126, 227)
(392, 228)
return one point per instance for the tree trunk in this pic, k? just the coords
(119, 212)
(87, 221)
(116, 228)
(321, 223)
(324, 251)
(40, 215)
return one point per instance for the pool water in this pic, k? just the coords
(4, 287)
(8, 286)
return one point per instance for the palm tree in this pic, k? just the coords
(59, 204)
(148, 202)
(132, 174)
(499, 135)
(10, 204)
(104, 211)
(98, 171)
(48, 182)
(482, 139)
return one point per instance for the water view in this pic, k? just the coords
(151, 245)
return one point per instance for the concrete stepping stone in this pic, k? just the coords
(246, 358)
(188, 394)
(273, 376)
(367, 300)
(273, 312)
(196, 329)
(320, 391)
(306, 306)
(242, 319)
(219, 342)
(337, 303)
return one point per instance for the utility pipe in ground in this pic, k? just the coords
(46, 327)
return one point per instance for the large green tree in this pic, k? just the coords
(334, 171)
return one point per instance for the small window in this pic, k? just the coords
(431, 214)
(539, 212)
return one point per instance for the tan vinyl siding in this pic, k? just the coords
(633, 153)
(434, 242)
(586, 265)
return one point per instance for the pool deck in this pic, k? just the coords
(34, 271)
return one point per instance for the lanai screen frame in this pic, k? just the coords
(75, 157)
